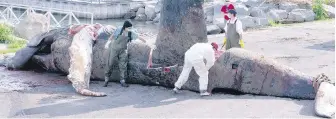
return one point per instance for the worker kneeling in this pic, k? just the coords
(194, 57)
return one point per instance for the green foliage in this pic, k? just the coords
(5, 33)
(274, 23)
(7, 37)
(14, 45)
(17, 43)
(318, 9)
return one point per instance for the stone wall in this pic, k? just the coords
(252, 13)
(258, 13)
(149, 12)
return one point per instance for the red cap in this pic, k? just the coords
(214, 45)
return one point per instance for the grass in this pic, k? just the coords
(13, 43)
(16, 42)
(10, 50)
(274, 23)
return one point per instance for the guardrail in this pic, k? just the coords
(9, 16)
(108, 1)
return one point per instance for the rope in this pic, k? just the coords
(150, 63)
(261, 4)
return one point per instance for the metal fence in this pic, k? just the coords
(8, 14)
(107, 1)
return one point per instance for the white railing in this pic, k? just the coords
(108, 1)
(9, 16)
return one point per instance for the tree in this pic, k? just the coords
(182, 24)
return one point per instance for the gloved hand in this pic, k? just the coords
(241, 43)
(224, 42)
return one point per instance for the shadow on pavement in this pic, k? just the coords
(136, 96)
(327, 46)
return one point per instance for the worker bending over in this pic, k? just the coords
(194, 57)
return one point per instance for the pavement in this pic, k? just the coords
(3, 46)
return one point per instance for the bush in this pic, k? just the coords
(6, 36)
(318, 9)
(5, 33)
(14, 44)
(17, 43)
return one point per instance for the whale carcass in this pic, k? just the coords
(237, 69)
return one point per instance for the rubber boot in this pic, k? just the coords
(106, 81)
(123, 83)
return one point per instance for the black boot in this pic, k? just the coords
(106, 81)
(123, 83)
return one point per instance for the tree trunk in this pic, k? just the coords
(182, 24)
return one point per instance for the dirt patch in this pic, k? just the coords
(327, 46)
(289, 39)
(26, 80)
(288, 58)
(12, 85)
(322, 66)
(53, 98)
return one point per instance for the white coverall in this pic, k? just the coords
(194, 57)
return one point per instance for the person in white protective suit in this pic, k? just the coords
(195, 57)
